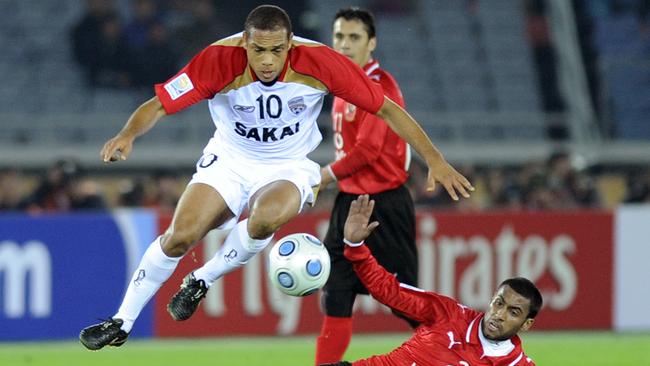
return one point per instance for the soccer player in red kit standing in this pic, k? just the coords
(450, 333)
(265, 88)
(370, 159)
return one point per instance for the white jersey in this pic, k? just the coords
(262, 122)
(268, 122)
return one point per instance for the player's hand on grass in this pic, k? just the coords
(117, 148)
(449, 178)
(356, 227)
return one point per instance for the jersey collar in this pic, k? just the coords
(371, 66)
(494, 348)
(510, 348)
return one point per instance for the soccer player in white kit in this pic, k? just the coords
(265, 89)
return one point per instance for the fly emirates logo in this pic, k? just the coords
(27, 272)
(469, 267)
(465, 266)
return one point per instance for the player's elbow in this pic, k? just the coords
(388, 110)
(157, 107)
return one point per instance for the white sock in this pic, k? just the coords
(238, 248)
(154, 269)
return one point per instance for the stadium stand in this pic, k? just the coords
(624, 51)
(467, 70)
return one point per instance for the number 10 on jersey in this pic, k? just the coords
(273, 106)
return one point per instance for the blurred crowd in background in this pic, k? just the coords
(159, 36)
(156, 38)
(65, 186)
(562, 182)
(149, 44)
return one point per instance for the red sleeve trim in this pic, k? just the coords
(205, 75)
(341, 76)
(354, 254)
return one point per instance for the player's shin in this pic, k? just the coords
(237, 249)
(154, 269)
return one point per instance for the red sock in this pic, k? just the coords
(333, 340)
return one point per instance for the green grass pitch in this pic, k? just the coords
(546, 348)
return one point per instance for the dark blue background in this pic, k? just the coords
(88, 274)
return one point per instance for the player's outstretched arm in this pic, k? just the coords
(142, 120)
(439, 170)
(382, 285)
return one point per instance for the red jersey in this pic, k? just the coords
(370, 157)
(449, 333)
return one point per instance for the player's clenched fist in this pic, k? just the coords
(117, 148)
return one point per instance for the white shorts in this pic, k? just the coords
(237, 180)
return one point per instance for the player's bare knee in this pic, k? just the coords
(260, 228)
(264, 220)
(179, 242)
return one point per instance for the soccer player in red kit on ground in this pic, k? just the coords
(370, 159)
(265, 88)
(449, 333)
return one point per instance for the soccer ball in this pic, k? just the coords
(299, 264)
